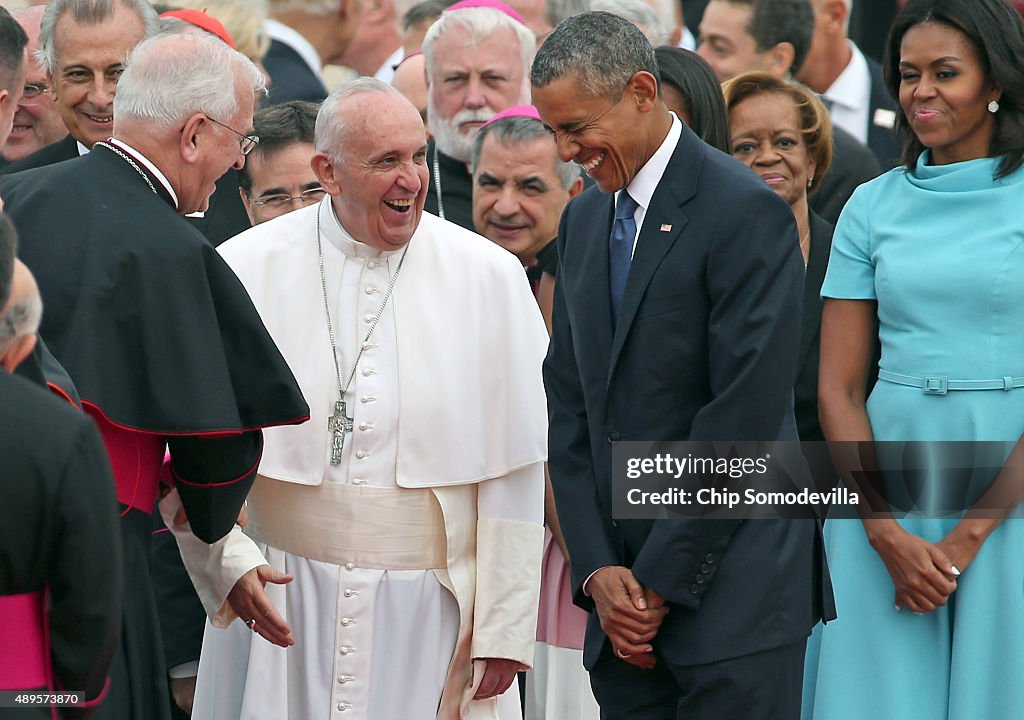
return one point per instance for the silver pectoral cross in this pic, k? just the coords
(338, 425)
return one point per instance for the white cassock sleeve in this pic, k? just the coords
(510, 542)
(215, 568)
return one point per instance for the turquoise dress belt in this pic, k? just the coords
(941, 384)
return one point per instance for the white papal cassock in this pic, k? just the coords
(421, 550)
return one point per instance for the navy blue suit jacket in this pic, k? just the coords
(705, 348)
(883, 141)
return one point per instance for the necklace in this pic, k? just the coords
(437, 184)
(805, 246)
(340, 423)
(124, 156)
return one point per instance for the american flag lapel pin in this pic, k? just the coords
(666, 227)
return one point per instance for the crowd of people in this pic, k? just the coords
(310, 401)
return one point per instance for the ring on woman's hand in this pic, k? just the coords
(622, 655)
(251, 623)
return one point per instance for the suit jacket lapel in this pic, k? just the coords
(663, 224)
(597, 212)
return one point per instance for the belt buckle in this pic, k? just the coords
(935, 385)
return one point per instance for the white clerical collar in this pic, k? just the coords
(149, 166)
(296, 41)
(646, 181)
(82, 149)
(341, 238)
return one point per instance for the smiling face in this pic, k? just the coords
(379, 186)
(603, 135)
(90, 60)
(37, 121)
(944, 93)
(471, 82)
(767, 137)
(9, 100)
(518, 195)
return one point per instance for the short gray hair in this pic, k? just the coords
(569, 51)
(513, 131)
(87, 12)
(22, 318)
(313, 7)
(331, 126)
(481, 23)
(559, 10)
(171, 76)
(640, 14)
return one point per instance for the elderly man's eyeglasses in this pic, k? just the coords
(247, 142)
(279, 201)
(33, 91)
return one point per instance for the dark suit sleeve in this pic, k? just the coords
(213, 476)
(583, 522)
(754, 283)
(85, 586)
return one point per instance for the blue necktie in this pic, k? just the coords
(620, 249)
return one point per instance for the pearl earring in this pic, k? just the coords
(993, 107)
(811, 181)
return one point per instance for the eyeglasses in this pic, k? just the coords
(278, 201)
(33, 91)
(247, 142)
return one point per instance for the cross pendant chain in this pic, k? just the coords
(338, 424)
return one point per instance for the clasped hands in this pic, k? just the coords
(924, 574)
(630, 614)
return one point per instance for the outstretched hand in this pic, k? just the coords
(251, 603)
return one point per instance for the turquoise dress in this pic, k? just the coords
(941, 249)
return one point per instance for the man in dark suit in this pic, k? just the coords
(303, 38)
(678, 320)
(775, 36)
(850, 83)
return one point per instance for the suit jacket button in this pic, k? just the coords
(705, 567)
(700, 579)
(709, 558)
(614, 524)
(695, 589)
(613, 437)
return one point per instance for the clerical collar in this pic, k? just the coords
(341, 238)
(145, 162)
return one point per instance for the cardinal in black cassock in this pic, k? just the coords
(163, 344)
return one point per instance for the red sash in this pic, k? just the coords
(135, 458)
(24, 648)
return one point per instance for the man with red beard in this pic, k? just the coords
(478, 58)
